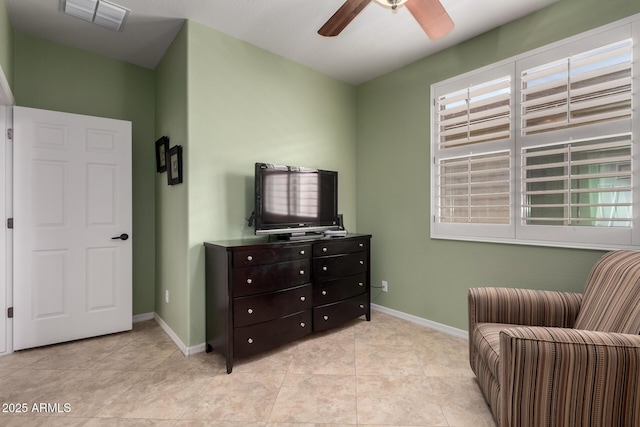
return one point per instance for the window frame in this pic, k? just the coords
(517, 232)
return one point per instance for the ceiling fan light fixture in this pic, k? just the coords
(391, 4)
(100, 12)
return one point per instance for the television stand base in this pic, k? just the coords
(300, 236)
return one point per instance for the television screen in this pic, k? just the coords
(290, 199)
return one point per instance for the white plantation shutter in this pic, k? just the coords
(586, 183)
(539, 148)
(587, 88)
(475, 189)
(477, 114)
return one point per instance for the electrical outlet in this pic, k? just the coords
(166, 296)
(385, 286)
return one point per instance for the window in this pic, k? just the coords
(587, 88)
(585, 183)
(539, 149)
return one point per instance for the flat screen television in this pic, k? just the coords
(292, 201)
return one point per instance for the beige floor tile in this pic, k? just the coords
(398, 400)
(462, 402)
(203, 423)
(158, 395)
(28, 386)
(383, 373)
(87, 391)
(276, 361)
(200, 362)
(33, 421)
(137, 355)
(239, 397)
(333, 355)
(377, 359)
(121, 422)
(22, 358)
(316, 399)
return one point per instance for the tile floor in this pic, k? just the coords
(387, 372)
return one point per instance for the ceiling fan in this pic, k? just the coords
(430, 14)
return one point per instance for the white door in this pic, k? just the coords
(72, 202)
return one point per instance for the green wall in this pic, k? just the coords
(6, 44)
(55, 77)
(430, 278)
(172, 206)
(244, 105)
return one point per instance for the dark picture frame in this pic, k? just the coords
(162, 148)
(174, 165)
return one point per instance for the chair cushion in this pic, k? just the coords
(486, 339)
(611, 301)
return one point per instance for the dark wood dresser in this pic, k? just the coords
(262, 294)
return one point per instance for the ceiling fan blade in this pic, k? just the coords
(345, 14)
(431, 16)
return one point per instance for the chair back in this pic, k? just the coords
(611, 301)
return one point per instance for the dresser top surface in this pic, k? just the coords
(266, 241)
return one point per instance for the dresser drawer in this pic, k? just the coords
(331, 315)
(267, 278)
(325, 248)
(269, 306)
(332, 267)
(339, 289)
(264, 336)
(261, 256)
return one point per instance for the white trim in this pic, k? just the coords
(142, 317)
(449, 330)
(187, 351)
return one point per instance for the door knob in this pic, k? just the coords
(123, 236)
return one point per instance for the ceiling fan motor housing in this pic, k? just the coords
(393, 4)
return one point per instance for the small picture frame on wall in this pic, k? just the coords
(162, 147)
(174, 165)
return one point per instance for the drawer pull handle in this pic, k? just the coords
(325, 317)
(361, 262)
(302, 298)
(324, 249)
(301, 272)
(250, 340)
(361, 305)
(360, 284)
(249, 281)
(361, 245)
(324, 292)
(249, 258)
(325, 268)
(302, 324)
(301, 252)
(250, 311)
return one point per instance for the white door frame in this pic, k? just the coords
(7, 101)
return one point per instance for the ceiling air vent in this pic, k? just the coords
(101, 12)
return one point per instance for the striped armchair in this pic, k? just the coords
(546, 358)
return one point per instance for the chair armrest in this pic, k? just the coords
(528, 307)
(560, 377)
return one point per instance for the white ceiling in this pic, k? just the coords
(377, 41)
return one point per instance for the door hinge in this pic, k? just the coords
(10, 133)
(10, 223)
(10, 312)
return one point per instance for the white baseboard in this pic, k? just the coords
(187, 351)
(142, 317)
(460, 333)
